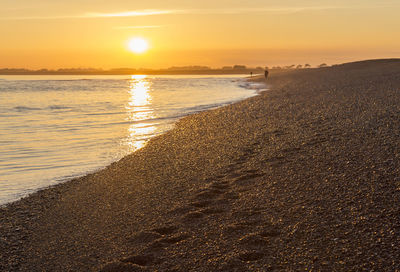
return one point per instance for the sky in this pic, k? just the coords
(95, 33)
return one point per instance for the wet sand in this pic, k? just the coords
(304, 176)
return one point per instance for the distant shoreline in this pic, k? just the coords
(133, 72)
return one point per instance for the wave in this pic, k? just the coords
(105, 113)
(80, 79)
(52, 107)
(58, 107)
(256, 86)
(24, 108)
(204, 107)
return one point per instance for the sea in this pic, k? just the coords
(55, 128)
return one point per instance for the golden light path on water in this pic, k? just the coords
(139, 109)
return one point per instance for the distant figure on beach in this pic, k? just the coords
(251, 74)
(266, 74)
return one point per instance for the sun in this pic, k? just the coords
(138, 45)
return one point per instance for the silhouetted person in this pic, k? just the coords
(266, 74)
(251, 74)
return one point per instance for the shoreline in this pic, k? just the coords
(302, 176)
(95, 167)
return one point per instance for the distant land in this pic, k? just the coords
(185, 70)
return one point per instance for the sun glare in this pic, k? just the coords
(138, 45)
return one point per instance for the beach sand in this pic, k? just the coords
(305, 176)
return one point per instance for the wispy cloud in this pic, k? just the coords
(133, 13)
(139, 27)
(273, 10)
(154, 12)
(277, 10)
(37, 18)
(284, 9)
(91, 15)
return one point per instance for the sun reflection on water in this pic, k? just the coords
(140, 111)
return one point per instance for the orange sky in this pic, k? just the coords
(95, 33)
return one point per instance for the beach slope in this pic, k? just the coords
(305, 176)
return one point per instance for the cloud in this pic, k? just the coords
(37, 18)
(139, 27)
(133, 13)
(260, 10)
(154, 12)
(92, 15)
(275, 10)
(281, 10)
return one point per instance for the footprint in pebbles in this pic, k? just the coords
(253, 240)
(122, 267)
(144, 237)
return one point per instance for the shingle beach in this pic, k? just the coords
(305, 176)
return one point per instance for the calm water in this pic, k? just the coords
(54, 128)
